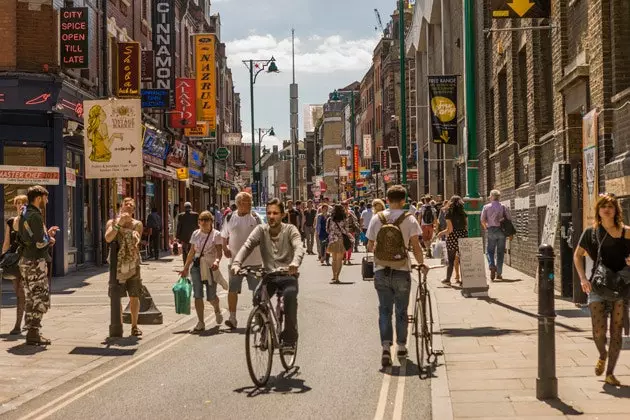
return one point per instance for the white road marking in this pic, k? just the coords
(400, 391)
(104, 378)
(382, 399)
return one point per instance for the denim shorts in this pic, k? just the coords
(595, 298)
(236, 281)
(211, 287)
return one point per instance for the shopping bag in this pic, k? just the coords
(439, 251)
(362, 237)
(182, 291)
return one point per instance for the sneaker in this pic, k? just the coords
(231, 323)
(34, 338)
(386, 359)
(201, 326)
(219, 317)
(402, 352)
(493, 272)
(446, 282)
(499, 277)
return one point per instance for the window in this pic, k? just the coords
(503, 107)
(546, 111)
(520, 102)
(145, 9)
(619, 12)
(490, 136)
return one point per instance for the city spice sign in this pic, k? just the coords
(73, 34)
(164, 44)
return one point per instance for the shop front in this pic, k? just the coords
(200, 191)
(176, 189)
(155, 149)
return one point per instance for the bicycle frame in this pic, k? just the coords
(276, 313)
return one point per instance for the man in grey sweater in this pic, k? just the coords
(280, 248)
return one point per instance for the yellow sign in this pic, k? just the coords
(206, 77)
(521, 7)
(200, 131)
(182, 174)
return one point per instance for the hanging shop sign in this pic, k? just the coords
(150, 189)
(206, 76)
(185, 113)
(384, 159)
(147, 70)
(195, 163)
(73, 37)
(182, 174)
(155, 145)
(71, 177)
(164, 43)
(443, 100)
(367, 146)
(29, 175)
(155, 98)
(355, 162)
(535, 9)
(177, 155)
(200, 130)
(128, 70)
(113, 138)
(232, 139)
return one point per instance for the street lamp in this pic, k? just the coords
(262, 132)
(255, 67)
(340, 96)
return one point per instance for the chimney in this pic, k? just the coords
(286, 143)
(275, 150)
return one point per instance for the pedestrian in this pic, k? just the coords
(322, 234)
(187, 222)
(13, 244)
(205, 255)
(337, 227)
(127, 231)
(607, 243)
(37, 241)
(378, 205)
(366, 218)
(413, 207)
(292, 215)
(492, 215)
(357, 230)
(388, 236)
(154, 222)
(310, 216)
(353, 229)
(456, 227)
(218, 217)
(428, 218)
(236, 229)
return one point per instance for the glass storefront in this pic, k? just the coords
(20, 156)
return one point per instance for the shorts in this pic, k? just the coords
(236, 281)
(595, 298)
(131, 287)
(427, 233)
(211, 287)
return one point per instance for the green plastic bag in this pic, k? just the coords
(182, 291)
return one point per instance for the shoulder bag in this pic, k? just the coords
(197, 260)
(347, 243)
(507, 227)
(605, 282)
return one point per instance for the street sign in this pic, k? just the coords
(505, 9)
(412, 174)
(283, 188)
(384, 159)
(222, 153)
(343, 152)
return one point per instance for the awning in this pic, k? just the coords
(200, 185)
(160, 173)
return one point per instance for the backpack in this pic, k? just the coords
(391, 250)
(427, 216)
(254, 215)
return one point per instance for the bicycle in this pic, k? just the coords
(422, 320)
(262, 333)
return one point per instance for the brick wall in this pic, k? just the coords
(8, 41)
(36, 47)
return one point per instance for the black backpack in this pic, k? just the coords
(254, 215)
(427, 216)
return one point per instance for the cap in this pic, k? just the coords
(187, 204)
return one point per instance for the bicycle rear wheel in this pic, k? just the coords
(259, 346)
(417, 332)
(287, 358)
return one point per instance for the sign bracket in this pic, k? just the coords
(522, 28)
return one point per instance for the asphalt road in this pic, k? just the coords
(194, 377)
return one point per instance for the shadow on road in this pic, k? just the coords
(102, 351)
(284, 383)
(506, 281)
(410, 369)
(121, 341)
(479, 332)
(9, 337)
(622, 391)
(26, 350)
(564, 408)
(342, 283)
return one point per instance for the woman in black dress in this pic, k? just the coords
(11, 243)
(456, 227)
(610, 237)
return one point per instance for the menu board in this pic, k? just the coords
(472, 265)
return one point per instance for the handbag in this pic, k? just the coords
(507, 227)
(347, 243)
(605, 282)
(197, 260)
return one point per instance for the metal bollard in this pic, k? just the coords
(115, 322)
(546, 383)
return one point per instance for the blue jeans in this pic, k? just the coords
(496, 240)
(392, 287)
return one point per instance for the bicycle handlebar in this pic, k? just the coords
(261, 272)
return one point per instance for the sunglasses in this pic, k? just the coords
(611, 195)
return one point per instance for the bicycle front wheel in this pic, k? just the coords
(259, 346)
(418, 321)
(428, 333)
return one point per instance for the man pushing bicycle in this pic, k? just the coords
(281, 249)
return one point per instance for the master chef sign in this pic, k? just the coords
(29, 175)
(113, 138)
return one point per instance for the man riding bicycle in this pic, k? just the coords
(281, 249)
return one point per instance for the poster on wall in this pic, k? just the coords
(590, 186)
(552, 212)
(232, 139)
(206, 76)
(113, 138)
(443, 101)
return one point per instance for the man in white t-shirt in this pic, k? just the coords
(236, 229)
(392, 277)
(366, 218)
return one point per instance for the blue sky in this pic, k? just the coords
(334, 44)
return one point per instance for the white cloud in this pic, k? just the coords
(267, 141)
(317, 54)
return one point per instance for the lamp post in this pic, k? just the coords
(336, 96)
(262, 132)
(255, 67)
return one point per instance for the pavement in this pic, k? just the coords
(489, 368)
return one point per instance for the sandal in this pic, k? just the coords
(333, 281)
(611, 380)
(136, 332)
(599, 367)
(446, 282)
